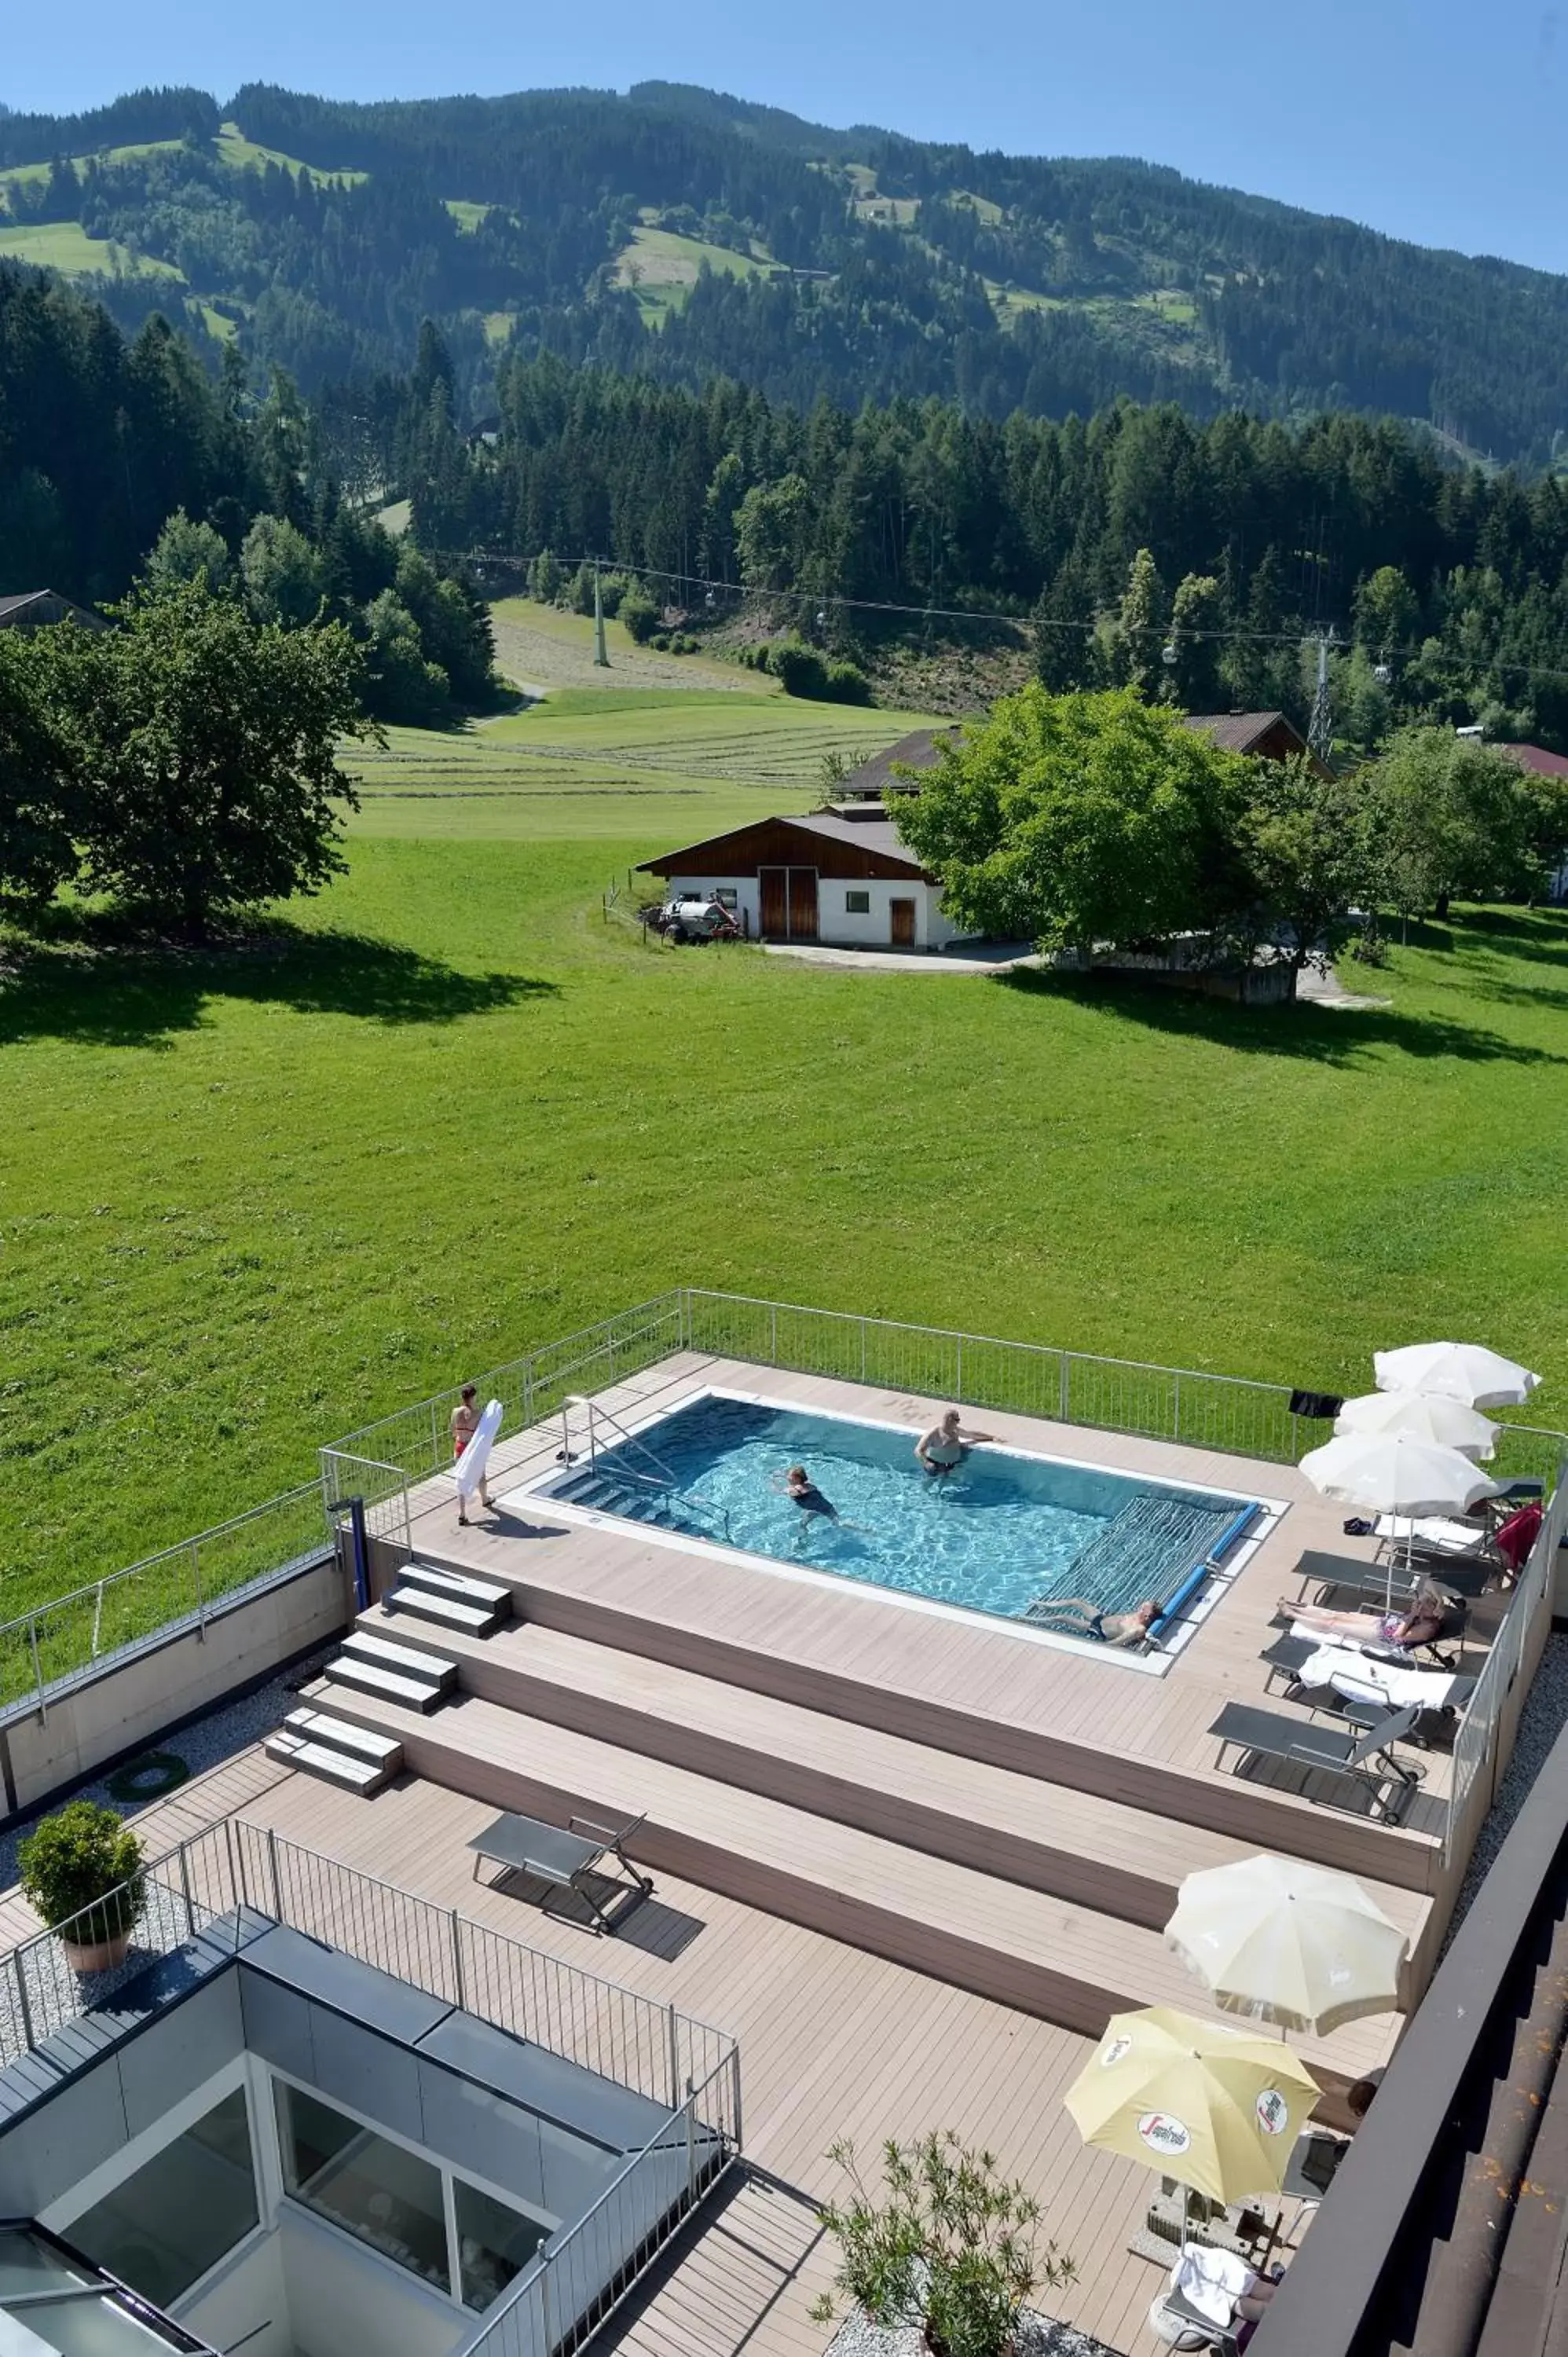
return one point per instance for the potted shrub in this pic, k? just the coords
(83, 1871)
(951, 2248)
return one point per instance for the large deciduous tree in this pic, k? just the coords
(1448, 816)
(1303, 840)
(1075, 820)
(40, 776)
(210, 748)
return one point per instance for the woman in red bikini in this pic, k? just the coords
(464, 1424)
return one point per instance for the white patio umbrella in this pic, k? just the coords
(1395, 1473)
(1426, 1415)
(1287, 1943)
(1461, 1371)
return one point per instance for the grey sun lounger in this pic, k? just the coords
(564, 1856)
(1363, 1758)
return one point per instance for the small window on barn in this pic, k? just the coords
(726, 895)
(858, 904)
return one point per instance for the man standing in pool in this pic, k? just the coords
(944, 1449)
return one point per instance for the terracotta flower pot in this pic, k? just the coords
(97, 1956)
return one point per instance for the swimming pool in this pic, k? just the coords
(1004, 1534)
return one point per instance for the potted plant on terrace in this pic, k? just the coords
(951, 2248)
(83, 1871)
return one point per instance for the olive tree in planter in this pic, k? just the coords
(83, 1871)
(950, 2247)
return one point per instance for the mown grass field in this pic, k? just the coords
(250, 1201)
(65, 246)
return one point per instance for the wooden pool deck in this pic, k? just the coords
(1086, 1717)
(912, 1860)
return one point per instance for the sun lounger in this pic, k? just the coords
(565, 1858)
(1361, 1758)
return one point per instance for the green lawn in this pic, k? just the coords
(249, 1202)
(65, 246)
(663, 266)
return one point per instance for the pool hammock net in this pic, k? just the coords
(1150, 1548)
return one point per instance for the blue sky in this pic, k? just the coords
(1437, 120)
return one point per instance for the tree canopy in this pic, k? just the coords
(1074, 820)
(209, 748)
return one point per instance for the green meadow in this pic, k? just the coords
(456, 1105)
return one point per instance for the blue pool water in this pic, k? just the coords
(1001, 1534)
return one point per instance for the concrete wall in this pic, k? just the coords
(248, 2297)
(132, 1703)
(836, 927)
(342, 2301)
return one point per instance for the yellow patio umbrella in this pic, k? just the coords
(1217, 2109)
(1288, 1943)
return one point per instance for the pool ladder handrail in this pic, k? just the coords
(665, 1477)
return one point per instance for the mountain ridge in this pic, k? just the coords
(685, 233)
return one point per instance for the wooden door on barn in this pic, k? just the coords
(903, 924)
(774, 895)
(802, 904)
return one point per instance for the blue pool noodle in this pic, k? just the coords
(1200, 1571)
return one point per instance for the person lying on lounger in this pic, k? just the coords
(1420, 1625)
(944, 1448)
(1087, 1620)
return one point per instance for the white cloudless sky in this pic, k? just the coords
(1437, 120)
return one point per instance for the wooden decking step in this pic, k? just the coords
(343, 1735)
(408, 1661)
(454, 1612)
(1066, 1963)
(325, 1760)
(387, 1685)
(492, 1593)
(1100, 1853)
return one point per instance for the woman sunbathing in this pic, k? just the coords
(1407, 1631)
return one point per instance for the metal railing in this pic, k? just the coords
(45, 1653)
(574, 2283)
(415, 1441)
(663, 1481)
(1477, 1758)
(235, 1879)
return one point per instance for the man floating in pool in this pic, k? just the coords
(944, 1448)
(1087, 1620)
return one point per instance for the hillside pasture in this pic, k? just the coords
(254, 1197)
(64, 246)
(232, 147)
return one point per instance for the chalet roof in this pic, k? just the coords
(1537, 758)
(860, 830)
(16, 609)
(1242, 732)
(921, 750)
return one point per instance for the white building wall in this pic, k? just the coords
(837, 926)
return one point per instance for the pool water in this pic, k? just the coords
(1003, 1534)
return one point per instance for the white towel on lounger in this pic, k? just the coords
(1367, 1677)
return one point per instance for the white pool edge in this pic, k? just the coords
(1156, 1665)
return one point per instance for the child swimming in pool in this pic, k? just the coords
(1088, 1619)
(798, 1484)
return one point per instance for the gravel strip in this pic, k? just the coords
(1541, 1722)
(1037, 2336)
(205, 1743)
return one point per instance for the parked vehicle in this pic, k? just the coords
(694, 922)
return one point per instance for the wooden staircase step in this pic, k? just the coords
(447, 1612)
(366, 1644)
(325, 1760)
(490, 1593)
(343, 1735)
(1098, 1852)
(1066, 1963)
